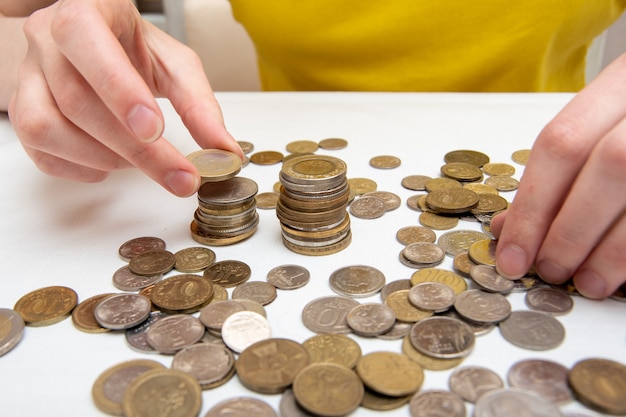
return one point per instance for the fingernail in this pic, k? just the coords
(552, 272)
(144, 123)
(511, 262)
(590, 284)
(182, 183)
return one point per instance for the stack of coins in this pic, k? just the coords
(312, 205)
(226, 212)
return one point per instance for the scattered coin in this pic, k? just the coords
(244, 328)
(170, 334)
(393, 286)
(246, 146)
(333, 143)
(390, 373)
(333, 348)
(267, 200)
(533, 330)
(502, 182)
(549, 300)
(452, 201)
(458, 241)
(442, 337)
(215, 164)
(302, 146)
(47, 305)
(601, 384)
(371, 319)
(514, 403)
(521, 156)
(392, 200)
(288, 277)
(493, 168)
(184, 293)
(385, 162)
(373, 400)
(422, 255)
(442, 183)
(462, 171)
(361, 186)
(137, 336)
(357, 280)
(471, 382)
(122, 311)
(241, 407)
(193, 259)
(83, 315)
(426, 361)
(228, 273)
(482, 307)
(542, 376)
(432, 296)
(415, 182)
(367, 207)
(259, 291)
(212, 365)
(442, 276)
(468, 156)
(328, 314)
(483, 252)
(126, 280)
(438, 222)
(11, 329)
(214, 314)
(138, 245)
(413, 234)
(436, 403)
(151, 263)
(404, 310)
(266, 157)
(487, 279)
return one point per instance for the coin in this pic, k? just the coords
(126, 280)
(83, 315)
(47, 305)
(442, 183)
(542, 376)
(371, 319)
(244, 328)
(373, 400)
(150, 263)
(436, 403)
(422, 255)
(193, 259)
(442, 337)
(462, 171)
(472, 382)
(266, 157)
(109, 388)
(452, 201)
(288, 277)
(145, 394)
(468, 156)
(137, 336)
(390, 373)
(357, 280)
(457, 241)
(426, 361)
(503, 169)
(463, 264)
(392, 200)
(267, 200)
(361, 186)
(215, 164)
(513, 402)
(486, 277)
(413, 234)
(11, 329)
(482, 307)
(385, 162)
(333, 348)
(415, 182)
(259, 291)
(241, 407)
(521, 156)
(432, 296)
(532, 330)
(138, 245)
(328, 314)
(213, 315)
(212, 365)
(488, 204)
(333, 143)
(122, 311)
(367, 207)
(399, 302)
(502, 182)
(170, 334)
(270, 366)
(246, 146)
(601, 384)
(228, 273)
(549, 300)
(438, 222)
(483, 252)
(328, 389)
(442, 276)
(302, 146)
(393, 286)
(184, 293)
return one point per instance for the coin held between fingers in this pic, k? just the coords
(145, 124)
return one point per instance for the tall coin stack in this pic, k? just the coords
(312, 205)
(226, 212)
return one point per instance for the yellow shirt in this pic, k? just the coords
(424, 45)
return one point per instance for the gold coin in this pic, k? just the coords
(462, 171)
(390, 373)
(302, 146)
(160, 391)
(399, 302)
(215, 164)
(437, 222)
(328, 389)
(333, 348)
(109, 388)
(483, 252)
(463, 264)
(479, 188)
(228, 273)
(521, 156)
(385, 162)
(182, 293)
(498, 169)
(379, 402)
(194, 259)
(601, 384)
(441, 184)
(502, 182)
(83, 317)
(152, 263)
(415, 182)
(266, 157)
(452, 201)
(362, 185)
(489, 203)
(428, 362)
(267, 200)
(246, 146)
(47, 305)
(441, 276)
(468, 156)
(333, 143)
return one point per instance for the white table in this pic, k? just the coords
(56, 232)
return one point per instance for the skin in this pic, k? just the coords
(567, 217)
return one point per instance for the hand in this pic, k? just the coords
(85, 105)
(568, 213)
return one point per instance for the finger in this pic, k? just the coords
(572, 236)
(558, 155)
(184, 82)
(99, 56)
(497, 222)
(605, 269)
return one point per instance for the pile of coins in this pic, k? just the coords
(226, 212)
(312, 205)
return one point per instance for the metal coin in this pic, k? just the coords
(458, 241)
(413, 234)
(426, 361)
(288, 277)
(482, 307)
(328, 314)
(601, 384)
(11, 329)
(415, 182)
(357, 280)
(371, 319)
(437, 222)
(442, 337)
(214, 314)
(151, 263)
(266, 157)
(267, 200)
(244, 328)
(472, 382)
(126, 280)
(392, 200)
(521, 156)
(399, 302)
(215, 164)
(194, 259)
(492, 169)
(452, 201)
(385, 162)
(542, 376)
(259, 291)
(367, 207)
(390, 373)
(184, 293)
(83, 315)
(442, 276)
(436, 403)
(170, 334)
(486, 277)
(393, 286)
(361, 186)
(241, 407)
(513, 402)
(432, 296)
(333, 348)
(502, 182)
(549, 300)
(138, 245)
(211, 364)
(122, 311)
(228, 273)
(136, 337)
(462, 171)
(333, 143)
(468, 156)
(532, 330)
(302, 146)
(246, 146)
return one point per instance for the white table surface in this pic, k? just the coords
(55, 232)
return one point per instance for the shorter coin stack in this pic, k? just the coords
(226, 212)
(312, 205)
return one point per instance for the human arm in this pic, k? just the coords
(568, 216)
(85, 100)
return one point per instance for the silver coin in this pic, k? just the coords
(209, 363)
(399, 331)
(371, 319)
(532, 330)
(11, 329)
(357, 281)
(214, 314)
(139, 245)
(434, 403)
(368, 207)
(542, 376)
(423, 254)
(288, 277)
(122, 311)
(442, 337)
(136, 336)
(514, 403)
(328, 314)
(392, 201)
(471, 382)
(173, 333)
(482, 307)
(486, 277)
(432, 296)
(244, 328)
(242, 407)
(549, 300)
(126, 280)
(479, 329)
(259, 291)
